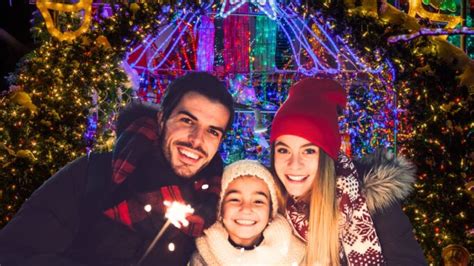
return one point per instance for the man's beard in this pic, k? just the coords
(182, 170)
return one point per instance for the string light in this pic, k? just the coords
(45, 5)
(268, 7)
(205, 50)
(430, 32)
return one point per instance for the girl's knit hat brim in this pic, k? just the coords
(248, 168)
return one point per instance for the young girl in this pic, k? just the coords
(325, 203)
(249, 230)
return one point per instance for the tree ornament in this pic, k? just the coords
(25, 154)
(103, 41)
(455, 255)
(85, 41)
(134, 7)
(470, 188)
(22, 98)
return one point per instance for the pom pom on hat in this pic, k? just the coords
(248, 168)
(310, 112)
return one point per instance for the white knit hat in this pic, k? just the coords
(248, 168)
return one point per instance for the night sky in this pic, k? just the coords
(15, 18)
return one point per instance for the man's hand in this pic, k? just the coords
(177, 212)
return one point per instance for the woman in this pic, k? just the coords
(325, 203)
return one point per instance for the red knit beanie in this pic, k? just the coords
(310, 112)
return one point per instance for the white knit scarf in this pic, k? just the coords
(279, 246)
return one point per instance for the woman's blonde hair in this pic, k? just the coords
(322, 247)
(323, 235)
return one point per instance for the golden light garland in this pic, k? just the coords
(45, 5)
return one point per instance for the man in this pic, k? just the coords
(105, 209)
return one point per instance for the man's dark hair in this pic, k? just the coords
(199, 82)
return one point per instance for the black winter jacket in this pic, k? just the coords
(386, 182)
(62, 223)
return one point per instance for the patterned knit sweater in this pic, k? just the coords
(357, 235)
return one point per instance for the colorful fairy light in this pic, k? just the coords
(181, 28)
(268, 7)
(205, 50)
(264, 45)
(237, 43)
(155, 51)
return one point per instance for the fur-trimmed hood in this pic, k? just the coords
(386, 178)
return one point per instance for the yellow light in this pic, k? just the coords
(416, 8)
(45, 5)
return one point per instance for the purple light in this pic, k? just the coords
(205, 50)
(171, 48)
(430, 32)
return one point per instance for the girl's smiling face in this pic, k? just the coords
(246, 209)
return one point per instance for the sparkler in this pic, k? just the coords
(175, 214)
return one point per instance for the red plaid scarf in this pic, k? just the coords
(133, 145)
(359, 242)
